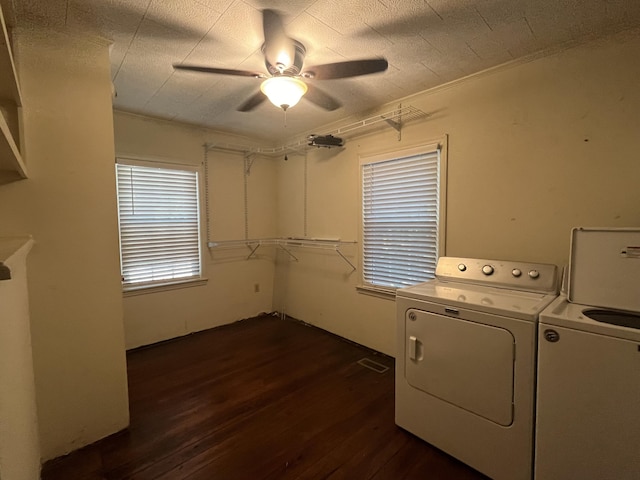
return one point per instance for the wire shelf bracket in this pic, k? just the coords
(286, 245)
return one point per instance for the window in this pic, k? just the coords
(402, 216)
(159, 225)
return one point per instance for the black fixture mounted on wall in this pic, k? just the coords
(326, 141)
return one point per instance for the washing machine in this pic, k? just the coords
(588, 404)
(466, 361)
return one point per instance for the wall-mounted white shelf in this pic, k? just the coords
(12, 166)
(9, 246)
(396, 119)
(286, 244)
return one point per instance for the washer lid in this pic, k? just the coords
(604, 268)
(492, 300)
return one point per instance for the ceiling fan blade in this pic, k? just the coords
(252, 102)
(322, 99)
(279, 49)
(220, 71)
(352, 68)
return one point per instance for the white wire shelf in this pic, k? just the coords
(395, 118)
(286, 244)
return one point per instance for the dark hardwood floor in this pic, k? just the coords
(264, 398)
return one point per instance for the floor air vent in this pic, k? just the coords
(371, 365)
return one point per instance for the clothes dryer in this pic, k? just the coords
(466, 360)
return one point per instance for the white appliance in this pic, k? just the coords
(588, 405)
(465, 364)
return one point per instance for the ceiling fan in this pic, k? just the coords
(284, 59)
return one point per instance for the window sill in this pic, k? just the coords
(163, 287)
(387, 293)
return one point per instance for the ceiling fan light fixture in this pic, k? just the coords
(284, 92)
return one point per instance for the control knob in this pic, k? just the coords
(516, 272)
(487, 269)
(462, 267)
(534, 274)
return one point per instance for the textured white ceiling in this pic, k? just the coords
(427, 43)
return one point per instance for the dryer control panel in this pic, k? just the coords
(528, 277)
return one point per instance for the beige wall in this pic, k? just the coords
(68, 205)
(534, 150)
(229, 294)
(19, 442)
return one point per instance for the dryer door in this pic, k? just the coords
(464, 363)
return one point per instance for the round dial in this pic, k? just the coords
(534, 273)
(462, 267)
(516, 272)
(487, 269)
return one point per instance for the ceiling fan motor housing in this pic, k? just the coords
(291, 70)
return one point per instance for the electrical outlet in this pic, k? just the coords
(256, 288)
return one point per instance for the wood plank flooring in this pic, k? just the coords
(264, 398)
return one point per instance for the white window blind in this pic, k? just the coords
(401, 204)
(159, 225)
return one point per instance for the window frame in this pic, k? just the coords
(166, 284)
(440, 145)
